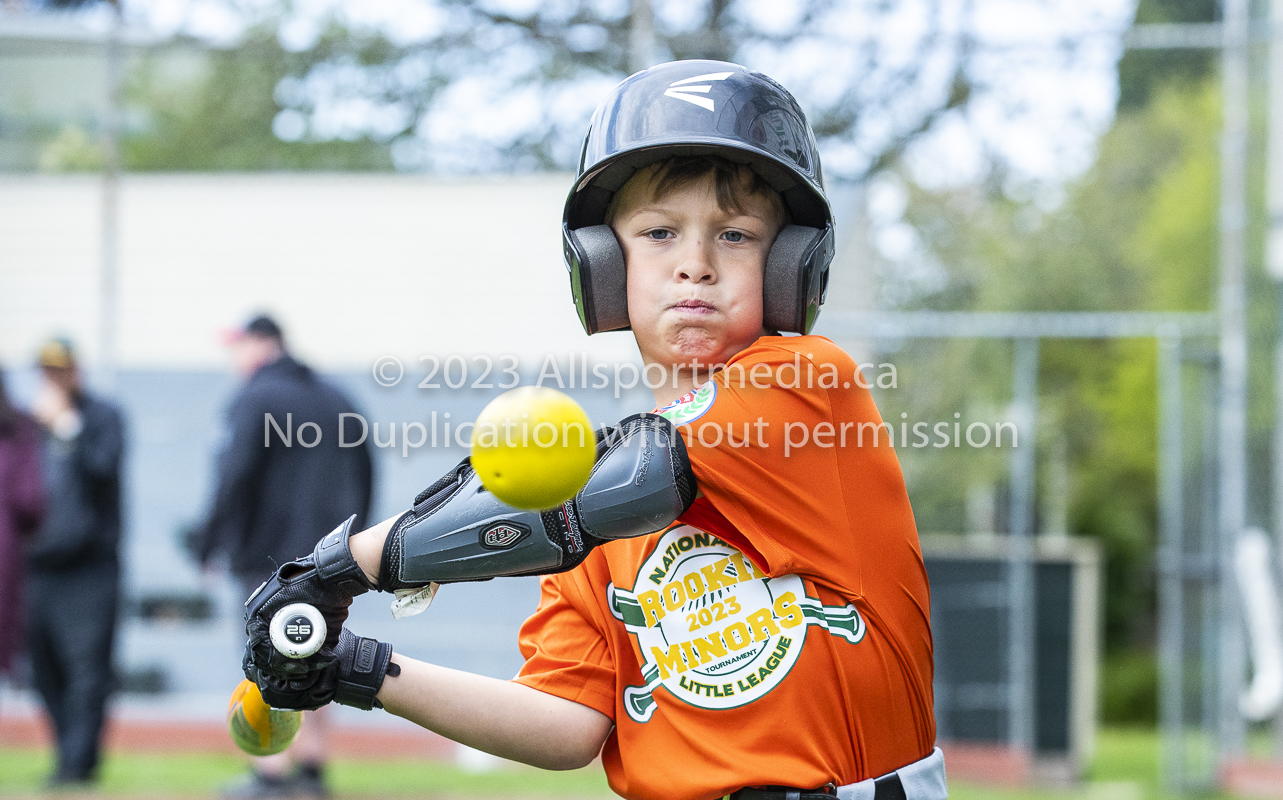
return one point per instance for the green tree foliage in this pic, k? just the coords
(533, 72)
(1142, 72)
(502, 88)
(1137, 233)
(222, 118)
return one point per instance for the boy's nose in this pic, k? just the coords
(696, 265)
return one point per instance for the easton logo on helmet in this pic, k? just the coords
(503, 535)
(681, 89)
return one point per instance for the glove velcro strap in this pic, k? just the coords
(361, 680)
(334, 561)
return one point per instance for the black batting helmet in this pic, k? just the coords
(687, 108)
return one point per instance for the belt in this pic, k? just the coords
(922, 780)
(888, 787)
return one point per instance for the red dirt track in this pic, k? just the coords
(205, 737)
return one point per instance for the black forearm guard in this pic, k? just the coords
(457, 531)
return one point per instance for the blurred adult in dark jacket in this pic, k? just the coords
(22, 506)
(276, 499)
(74, 565)
(283, 484)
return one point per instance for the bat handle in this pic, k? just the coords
(297, 630)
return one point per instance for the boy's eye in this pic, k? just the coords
(733, 236)
(659, 234)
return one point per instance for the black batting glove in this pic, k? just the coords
(327, 579)
(351, 673)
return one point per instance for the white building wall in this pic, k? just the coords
(355, 266)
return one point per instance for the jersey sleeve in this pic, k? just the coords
(566, 651)
(794, 461)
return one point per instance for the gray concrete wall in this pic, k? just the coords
(175, 423)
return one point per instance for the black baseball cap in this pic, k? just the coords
(260, 325)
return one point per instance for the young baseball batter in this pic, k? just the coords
(735, 603)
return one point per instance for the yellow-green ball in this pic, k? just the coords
(533, 447)
(257, 728)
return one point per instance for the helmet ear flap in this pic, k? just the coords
(796, 278)
(598, 279)
(793, 286)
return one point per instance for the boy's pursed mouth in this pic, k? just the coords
(697, 306)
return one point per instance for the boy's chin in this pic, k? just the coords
(690, 345)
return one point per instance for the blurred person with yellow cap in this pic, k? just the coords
(74, 562)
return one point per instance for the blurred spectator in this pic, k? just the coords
(276, 500)
(22, 506)
(74, 576)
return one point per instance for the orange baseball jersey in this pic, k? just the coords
(779, 633)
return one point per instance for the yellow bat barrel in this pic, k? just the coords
(257, 728)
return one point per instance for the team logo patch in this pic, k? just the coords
(503, 535)
(690, 406)
(713, 630)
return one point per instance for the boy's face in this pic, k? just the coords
(694, 269)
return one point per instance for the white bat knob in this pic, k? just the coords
(297, 630)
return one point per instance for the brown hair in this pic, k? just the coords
(732, 182)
